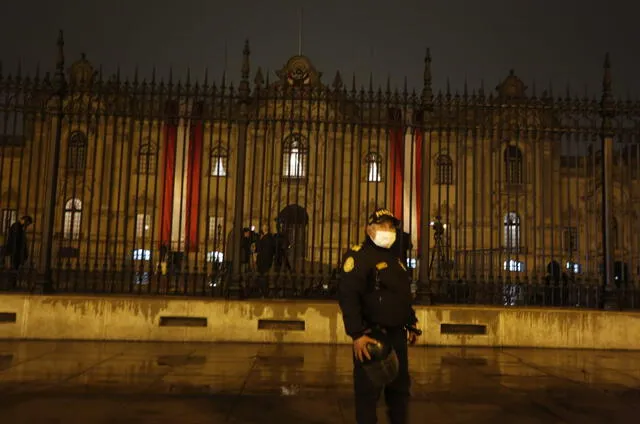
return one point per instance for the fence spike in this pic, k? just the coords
(353, 84)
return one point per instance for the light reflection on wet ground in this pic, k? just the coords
(84, 382)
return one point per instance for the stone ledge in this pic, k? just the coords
(139, 318)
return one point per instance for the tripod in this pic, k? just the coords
(439, 252)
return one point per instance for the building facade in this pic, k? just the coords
(150, 169)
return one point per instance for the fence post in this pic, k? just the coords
(607, 110)
(48, 224)
(238, 217)
(425, 290)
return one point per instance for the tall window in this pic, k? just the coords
(294, 157)
(72, 219)
(219, 159)
(146, 160)
(570, 240)
(216, 226)
(373, 161)
(513, 165)
(444, 165)
(143, 225)
(9, 216)
(512, 231)
(77, 154)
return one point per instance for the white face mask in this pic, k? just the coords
(384, 239)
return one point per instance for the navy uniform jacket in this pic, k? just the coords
(374, 289)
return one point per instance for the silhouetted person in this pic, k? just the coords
(266, 249)
(245, 250)
(282, 249)
(16, 246)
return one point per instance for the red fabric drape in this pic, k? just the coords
(193, 187)
(169, 170)
(396, 139)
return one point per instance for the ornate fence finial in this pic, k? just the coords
(448, 93)
(427, 89)
(465, 92)
(59, 78)
(370, 84)
(606, 79)
(405, 88)
(606, 102)
(353, 85)
(243, 89)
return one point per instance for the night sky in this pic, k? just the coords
(560, 41)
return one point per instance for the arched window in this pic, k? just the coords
(72, 219)
(513, 165)
(77, 154)
(512, 231)
(146, 160)
(219, 161)
(444, 165)
(373, 161)
(294, 157)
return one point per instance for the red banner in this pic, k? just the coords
(169, 170)
(396, 154)
(193, 187)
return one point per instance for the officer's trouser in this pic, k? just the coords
(396, 394)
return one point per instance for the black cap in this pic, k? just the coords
(246, 229)
(383, 215)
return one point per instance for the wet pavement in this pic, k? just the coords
(78, 382)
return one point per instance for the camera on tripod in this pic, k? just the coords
(438, 227)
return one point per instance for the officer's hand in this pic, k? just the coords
(360, 347)
(412, 337)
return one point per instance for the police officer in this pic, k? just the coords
(375, 295)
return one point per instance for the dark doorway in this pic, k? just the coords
(292, 222)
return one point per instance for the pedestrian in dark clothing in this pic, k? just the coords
(245, 250)
(266, 248)
(282, 249)
(16, 246)
(375, 295)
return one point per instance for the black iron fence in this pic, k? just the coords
(208, 188)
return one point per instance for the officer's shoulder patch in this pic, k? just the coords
(349, 264)
(356, 247)
(381, 265)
